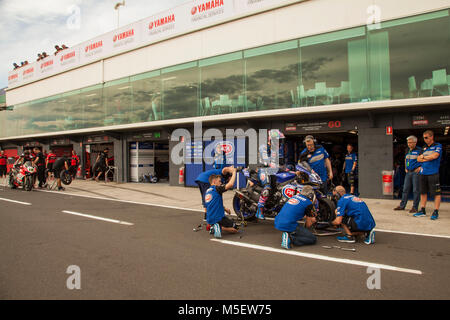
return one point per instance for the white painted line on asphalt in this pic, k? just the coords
(14, 201)
(413, 233)
(124, 201)
(98, 218)
(319, 257)
(199, 210)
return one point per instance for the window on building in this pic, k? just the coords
(222, 85)
(118, 101)
(91, 100)
(146, 97)
(272, 76)
(334, 68)
(410, 57)
(180, 91)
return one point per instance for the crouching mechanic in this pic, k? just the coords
(203, 180)
(298, 207)
(215, 211)
(354, 216)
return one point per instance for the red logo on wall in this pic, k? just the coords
(207, 6)
(93, 46)
(162, 21)
(224, 147)
(123, 35)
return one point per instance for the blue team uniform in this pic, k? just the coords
(293, 211)
(351, 206)
(350, 159)
(431, 167)
(411, 163)
(317, 161)
(215, 210)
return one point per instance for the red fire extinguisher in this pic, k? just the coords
(181, 176)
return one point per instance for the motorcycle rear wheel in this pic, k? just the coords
(246, 215)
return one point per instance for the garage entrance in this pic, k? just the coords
(149, 158)
(336, 145)
(92, 151)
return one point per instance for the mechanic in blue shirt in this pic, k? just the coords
(297, 208)
(350, 163)
(319, 160)
(203, 180)
(430, 160)
(412, 168)
(215, 211)
(354, 216)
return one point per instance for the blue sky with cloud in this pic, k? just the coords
(29, 27)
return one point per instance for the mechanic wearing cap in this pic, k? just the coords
(297, 208)
(354, 216)
(319, 160)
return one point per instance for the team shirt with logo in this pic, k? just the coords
(215, 210)
(317, 161)
(411, 162)
(293, 211)
(431, 167)
(354, 207)
(350, 159)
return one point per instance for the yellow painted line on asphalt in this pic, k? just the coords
(319, 257)
(98, 218)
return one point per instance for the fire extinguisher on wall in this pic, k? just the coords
(181, 176)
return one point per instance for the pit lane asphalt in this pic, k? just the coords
(160, 257)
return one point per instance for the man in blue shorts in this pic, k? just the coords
(297, 208)
(430, 160)
(354, 216)
(215, 211)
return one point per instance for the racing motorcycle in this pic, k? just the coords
(283, 186)
(22, 176)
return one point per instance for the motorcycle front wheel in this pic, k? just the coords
(11, 181)
(327, 210)
(240, 210)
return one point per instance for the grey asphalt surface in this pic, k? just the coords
(160, 257)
